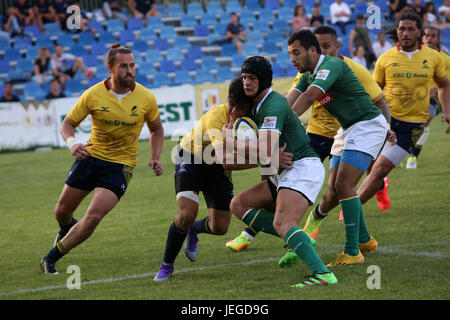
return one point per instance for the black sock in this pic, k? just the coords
(201, 226)
(66, 228)
(174, 242)
(382, 186)
(56, 253)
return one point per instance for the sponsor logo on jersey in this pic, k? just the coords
(269, 123)
(322, 74)
(325, 99)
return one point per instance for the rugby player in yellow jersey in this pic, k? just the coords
(430, 38)
(405, 73)
(119, 108)
(200, 166)
(322, 127)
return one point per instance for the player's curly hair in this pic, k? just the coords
(236, 94)
(115, 49)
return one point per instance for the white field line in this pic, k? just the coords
(395, 249)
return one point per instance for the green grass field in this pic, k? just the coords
(121, 258)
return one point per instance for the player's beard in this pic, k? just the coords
(127, 81)
(306, 64)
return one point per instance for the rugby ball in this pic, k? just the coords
(245, 129)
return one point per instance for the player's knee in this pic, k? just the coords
(219, 230)
(343, 187)
(185, 218)
(237, 206)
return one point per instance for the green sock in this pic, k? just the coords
(364, 235)
(351, 209)
(260, 220)
(300, 242)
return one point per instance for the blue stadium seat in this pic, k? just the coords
(94, 80)
(311, 3)
(32, 29)
(99, 49)
(202, 76)
(188, 21)
(181, 42)
(281, 26)
(182, 77)
(95, 25)
(161, 79)
(146, 67)
(361, 8)
(32, 52)
(25, 66)
(161, 44)
(134, 24)
(291, 71)
(142, 79)
(201, 30)
(31, 88)
(246, 16)
(101, 71)
(233, 6)
(277, 70)
(285, 13)
(210, 63)
(255, 37)
(194, 8)
(266, 15)
(154, 56)
(52, 29)
(74, 86)
(220, 28)
(174, 9)
(22, 42)
(261, 26)
(85, 38)
(228, 50)
(283, 58)
(168, 32)
(275, 36)
(237, 60)
(126, 36)
(114, 25)
(345, 51)
(107, 37)
(224, 74)
(253, 5)
(194, 52)
(12, 54)
(272, 4)
(167, 66)
(140, 45)
(64, 40)
(249, 49)
(155, 22)
(208, 19)
(90, 60)
(16, 75)
(174, 54)
(188, 64)
(77, 50)
(147, 34)
(214, 7)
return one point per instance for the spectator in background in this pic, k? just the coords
(55, 90)
(42, 66)
(143, 8)
(8, 95)
(444, 11)
(83, 19)
(65, 65)
(396, 7)
(11, 23)
(417, 7)
(359, 56)
(382, 45)
(340, 14)
(317, 19)
(60, 7)
(430, 18)
(299, 21)
(25, 12)
(359, 36)
(44, 13)
(113, 9)
(236, 33)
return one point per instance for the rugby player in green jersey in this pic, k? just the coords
(330, 81)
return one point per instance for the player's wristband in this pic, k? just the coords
(71, 142)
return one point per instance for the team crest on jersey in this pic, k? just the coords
(425, 64)
(322, 74)
(134, 112)
(104, 109)
(395, 64)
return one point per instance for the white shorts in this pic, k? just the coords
(366, 136)
(306, 176)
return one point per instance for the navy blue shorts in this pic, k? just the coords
(91, 173)
(407, 133)
(211, 179)
(321, 145)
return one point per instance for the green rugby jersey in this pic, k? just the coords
(344, 96)
(274, 113)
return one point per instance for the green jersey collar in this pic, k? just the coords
(262, 100)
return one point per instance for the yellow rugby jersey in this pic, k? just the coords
(207, 130)
(321, 121)
(407, 80)
(116, 126)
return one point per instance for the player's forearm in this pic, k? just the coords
(444, 98)
(302, 103)
(384, 108)
(156, 143)
(67, 130)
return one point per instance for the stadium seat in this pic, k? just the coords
(250, 49)
(246, 16)
(281, 26)
(168, 32)
(291, 71)
(182, 77)
(161, 79)
(174, 9)
(167, 66)
(237, 60)
(233, 6)
(32, 29)
(142, 79)
(202, 76)
(194, 8)
(146, 67)
(140, 45)
(272, 4)
(266, 16)
(127, 37)
(65, 41)
(74, 86)
(188, 64)
(32, 53)
(98, 49)
(214, 7)
(228, 50)
(25, 66)
(201, 30)
(208, 19)
(90, 60)
(174, 54)
(220, 28)
(181, 42)
(147, 34)
(134, 24)
(283, 58)
(114, 25)
(361, 8)
(161, 44)
(275, 36)
(311, 3)
(107, 38)
(22, 42)
(94, 80)
(285, 14)
(194, 52)
(154, 56)
(85, 38)
(210, 63)
(188, 21)
(277, 70)
(77, 50)
(31, 88)
(224, 74)
(101, 71)
(253, 5)
(155, 22)
(12, 54)
(15, 76)
(260, 26)
(52, 29)
(96, 25)
(345, 51)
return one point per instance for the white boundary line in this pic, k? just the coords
(395, 249)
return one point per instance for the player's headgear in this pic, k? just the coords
(260, 67)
